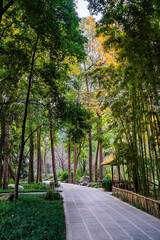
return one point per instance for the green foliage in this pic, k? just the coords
(57, 184)
(107, 184)
(53, 195)
(94, 185)
(59, 173)
(5, 208)
(36, 186)
(138, 206)
(33, 187)
(76, 117)
(23, 191)
(64, 176)
(11, 181)
(133, 86)
(79, 171)
(34, 218)
(33, 51)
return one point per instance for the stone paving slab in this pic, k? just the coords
(92, 214)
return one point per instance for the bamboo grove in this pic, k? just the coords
(133, 87)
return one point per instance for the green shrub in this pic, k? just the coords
(11, 181)
(64, 176)
(53, 195)
(59, 173)
(41, 186)
(78, 178)
(96, 185)
(57, 184)
(107, 184)
(79, 171)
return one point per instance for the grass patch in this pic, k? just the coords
(33, 218)
(38, 186)
(22, 191)
(34, 187)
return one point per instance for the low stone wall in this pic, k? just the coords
(147, 204)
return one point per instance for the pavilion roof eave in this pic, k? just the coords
(111, 160)
(108, 160)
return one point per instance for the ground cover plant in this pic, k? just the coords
(22, 191)
(64, 176)
(38, 186)
(53, 195)
(33, 218)
(107, 184)
(33, 187)
(5, 207)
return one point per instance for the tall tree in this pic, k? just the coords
(59, 20)
(69, 161)
(39, 160)
(45, 158)
(6, 154)
(31, 158)
(75, 163)
(53, 153)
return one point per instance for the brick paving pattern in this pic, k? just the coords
(92, 214)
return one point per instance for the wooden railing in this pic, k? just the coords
(147, 204)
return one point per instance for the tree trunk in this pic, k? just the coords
(1, 149)
(69, 161)
(84, 166)
(38, 156)
(1, 11)
(100, 161)
(6, 151)
(1, 158)
(45, 158)
(31, 157)
(24, 121)
(40, 162)
(90, 156)
(90, 133)
(96, 162)
(12, 174)
(53, 154)
(1, 174)
(75, 163)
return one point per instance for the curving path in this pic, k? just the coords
(92, 214)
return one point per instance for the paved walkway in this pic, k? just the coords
(92, 214)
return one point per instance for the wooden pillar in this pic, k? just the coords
(118, 172)
(112, 172)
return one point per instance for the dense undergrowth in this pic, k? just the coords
(32, 218)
